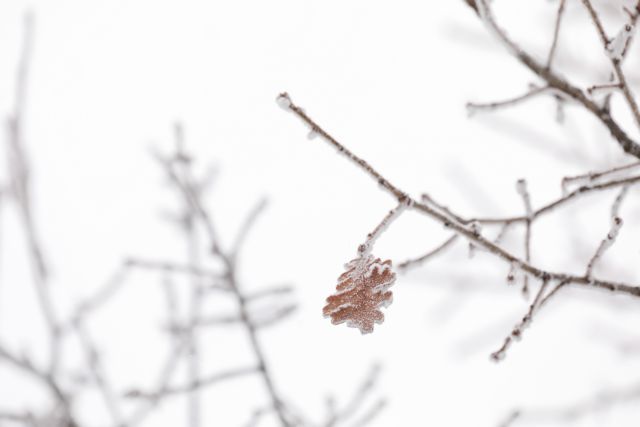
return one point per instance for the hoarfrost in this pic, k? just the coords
(616, 48)
(284, 101)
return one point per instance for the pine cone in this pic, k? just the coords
(360, 293)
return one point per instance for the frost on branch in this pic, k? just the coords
(284, 101)
(616, 48)
(361, 291)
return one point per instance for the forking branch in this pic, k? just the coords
(465, 229)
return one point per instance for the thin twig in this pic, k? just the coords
(516, 332)
(18, 166)
(177, 347)
(268, 292)
(95, 368)
(191, 386)
(605, 244)
(181, 162)
(556, 32)
(371, 413)
(415, 262)
(174, 267)
(592, 176)
(25, 365)
(598, 402)
(365, 249)
(356, 401)
(526, 199)
(473, 107)
(246, 227)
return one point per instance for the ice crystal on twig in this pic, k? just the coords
(361, 291)
(606, 243)
(283, 101)
(616, 48)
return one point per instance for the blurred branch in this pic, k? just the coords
(523, 191)
(182, 170)
(177, 347)
(63, 382)
(25, 365)
(95, 368)
(599, 402)
(199, 212)
(174, 267)
(371, 413)
(269, 292)
(615, 57)
(556, 33)
(246, 227)
(560, 84)
(21, 192)
(198, 384)
(357, 402)
(473, 107)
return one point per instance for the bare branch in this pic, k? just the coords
(615, 207)
(24, 364)
(599, 402)
(365, 249)
(556, 32)
(205, 381)
(473, 107)
(173, 267)
(201, 214)
(593, 176)
(371, 413)
(94, 365)
(356, 402)
(605, 244)
(246, 227)
(447, 222)
(416, 262)
(521, 187)
(516, 333)
(557, 82)
(19, 175)
(269, 292)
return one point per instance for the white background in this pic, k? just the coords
(389, 80)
